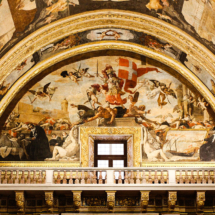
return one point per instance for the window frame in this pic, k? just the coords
(110, 157)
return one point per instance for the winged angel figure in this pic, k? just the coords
(158, 88)
(43, 92)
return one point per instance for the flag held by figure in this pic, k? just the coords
(129, 72)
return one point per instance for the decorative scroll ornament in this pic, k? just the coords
(49, 198)
(110, 200)
(20, 201)
(144, 201)
(172, 198)
(77, 199)
(200, 200)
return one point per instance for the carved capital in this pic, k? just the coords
(172, 198)
(110, 200)
(200, 200)
(49, 198)
(77, 199)
(144, 200)
(20, 201)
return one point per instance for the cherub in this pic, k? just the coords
(74, 76)
(92, 95)
(43, 92)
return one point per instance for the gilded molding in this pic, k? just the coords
(86, 132)
(77, 199)
(49, 198)
(144, 199)
(110, 200)
(38, 164)
(107, 45)
(172, 199)
(106, 19)
(20, 201)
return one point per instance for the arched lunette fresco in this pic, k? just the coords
(105, 19)
(112, 45)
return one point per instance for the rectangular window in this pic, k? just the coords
(110, 149)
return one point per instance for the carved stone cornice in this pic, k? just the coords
(110, 200)
(49, 198)
(77, 199)
(20, 201)
(172, 199)
(200, 200)
(144, 200)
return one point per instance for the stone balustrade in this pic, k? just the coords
(79, 177)
(195, 176)
(22, 177)
(29, 178)
(141, 177)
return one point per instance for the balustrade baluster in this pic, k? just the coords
(209, 177)
(28, 181)
(132, 177)
(39, 181)
(64, 177)
(192, 180)
(144, 177)
(203, 177)
(126, 177)
(162, 177)
(5, 177)
(186, 178)
(70, 177)
(106, 177)
(58, 177)
(82, 177)
(156, 177)
(100, 177)
(34, 177)
(198, 181)
(214, 176)
(11, 177)
(17, 177)
(44, 177)
(76, 178)
(150, 177)
(94, 177)
(181, 181)
(167, 177)
(22, 181)
(177, 177)
(120, 177)
(88, 177)
(137, 177)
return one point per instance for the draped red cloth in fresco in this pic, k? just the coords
(129, 72)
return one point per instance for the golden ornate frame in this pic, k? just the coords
(86, 132)
(106, 19)
(106, 45)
